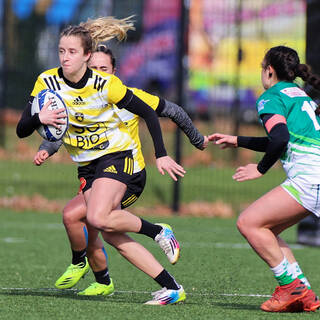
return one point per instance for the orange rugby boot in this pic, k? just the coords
(310, 302)
(285, 296)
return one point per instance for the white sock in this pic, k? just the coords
(281, 268)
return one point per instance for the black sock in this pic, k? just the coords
(79, 256)
(165, 279)
(102, 276)
(149, 229)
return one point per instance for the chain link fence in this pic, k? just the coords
(225, 43)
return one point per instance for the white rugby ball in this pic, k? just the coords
(49, 132)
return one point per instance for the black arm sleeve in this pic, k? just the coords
(27, 123)
(279, 138)
(182, 120)
(135, 105)
(50, 146)
(253, 143)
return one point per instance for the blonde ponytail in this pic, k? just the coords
(106, 28)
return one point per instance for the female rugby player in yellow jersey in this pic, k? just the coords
(112, 145)
(75, 211)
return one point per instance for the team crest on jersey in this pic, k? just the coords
(261, 104)
(79, 116)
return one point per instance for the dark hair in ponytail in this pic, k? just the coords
(103, 48)
(286, 63)
(305, 73)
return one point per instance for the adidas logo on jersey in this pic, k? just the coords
(111, 169)
(78, 101)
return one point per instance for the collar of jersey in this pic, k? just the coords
(81, 83)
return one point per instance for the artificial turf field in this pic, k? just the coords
(222, 276)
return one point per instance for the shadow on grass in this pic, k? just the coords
(123, 298)
(238, 306)
(225, 305)
(72, 294)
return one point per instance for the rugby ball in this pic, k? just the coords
(49, 132)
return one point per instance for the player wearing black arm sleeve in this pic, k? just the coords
(274, 145)
(75, 211)
(291, 121)
(101, 144)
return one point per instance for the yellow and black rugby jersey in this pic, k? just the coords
(150, 99)
(132, 122)
(95, 129)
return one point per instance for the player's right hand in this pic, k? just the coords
(248, 172)
(166, 163)
(224, 140)
(40, 157)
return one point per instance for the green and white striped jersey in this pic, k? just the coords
(302, 155)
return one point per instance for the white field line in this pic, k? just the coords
(13, 240)
(229, 245)
(33, 225)
(136, 292)
(216, 245)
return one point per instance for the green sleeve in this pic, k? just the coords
(271, 103)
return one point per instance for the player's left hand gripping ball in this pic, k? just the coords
(50, 132)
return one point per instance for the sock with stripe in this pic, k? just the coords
(79, 256)
(282, 274)
(296, 271)
(102, 276)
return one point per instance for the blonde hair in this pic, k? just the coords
(106, 28)
(102, 29)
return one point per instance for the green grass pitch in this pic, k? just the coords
(199, 184)
(223, 277)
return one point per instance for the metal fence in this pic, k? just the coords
(204, 54)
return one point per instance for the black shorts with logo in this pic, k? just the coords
(117, 166)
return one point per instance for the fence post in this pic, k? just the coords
(236, 102)
(181, 56)
(3, 68)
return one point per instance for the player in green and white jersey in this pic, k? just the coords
(292, 124)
